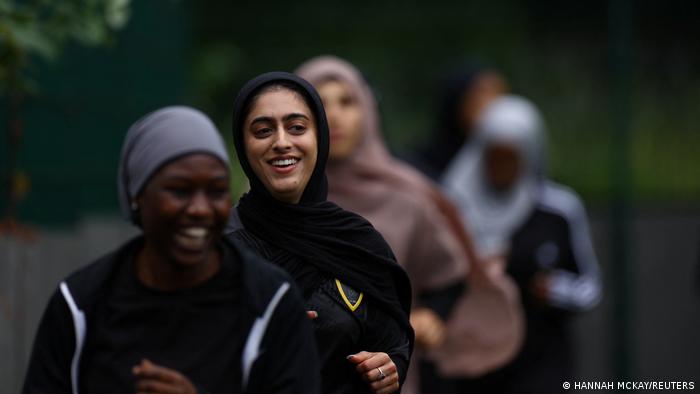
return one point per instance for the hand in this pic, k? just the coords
(540, 287)
(369, 364)
(154, 379)
(495, 265)
(311, 314)
(430, 329)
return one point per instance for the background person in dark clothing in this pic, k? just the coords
(347, 273)
(463, 94)
(177, 309)
(501, 186)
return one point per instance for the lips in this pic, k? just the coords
(192, 238)
(284, 164)
(284, 161)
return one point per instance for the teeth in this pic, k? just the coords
(193, 238)
(284, 162)
(195, 232)
(190, 242)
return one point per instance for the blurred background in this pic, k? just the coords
(617, 81)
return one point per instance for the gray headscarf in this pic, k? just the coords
(157, 139)
(494, 215)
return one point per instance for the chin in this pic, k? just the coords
(187, 260)
(286, 189)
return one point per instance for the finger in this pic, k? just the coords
(156, 387)
(416, 323)
(430, 340)
(371, 376)
(359, 357)
(441, 337)
(388, 382)
(375, 376)
(148, 370)
(430, 334)
(387, 390)
(434, 337)
(374, 361)
(419, 328)
(311, 314)
(145, 364)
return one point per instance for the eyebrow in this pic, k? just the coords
(286, 118)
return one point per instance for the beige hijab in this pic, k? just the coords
(402, 204)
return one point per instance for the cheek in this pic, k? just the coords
(355, 126)
(312, 160)
(311, 148)
(222, 210)
(253, 155)
(155, 217)
(254, 147)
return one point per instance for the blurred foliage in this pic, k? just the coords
(34, 32)
(201, 52)
(556, 53)
(42, 28)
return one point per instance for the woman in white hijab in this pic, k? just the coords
(539, 227)
(495, 188)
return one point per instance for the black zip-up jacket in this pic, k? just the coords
(273, 339)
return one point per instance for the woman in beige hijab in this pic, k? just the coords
(406, 208)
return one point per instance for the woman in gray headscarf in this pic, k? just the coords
(541, 230)
(178, 308)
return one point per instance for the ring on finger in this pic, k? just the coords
(381, 376)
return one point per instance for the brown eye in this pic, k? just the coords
(262, 132)
(217, 192)
(297, 128)
(178, 191)
(347, 101)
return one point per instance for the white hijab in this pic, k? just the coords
(494, 215)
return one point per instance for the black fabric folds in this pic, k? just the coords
(340, 244)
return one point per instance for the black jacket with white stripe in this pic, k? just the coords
(555, 240)
(272, 344)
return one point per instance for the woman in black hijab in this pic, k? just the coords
(358, 296)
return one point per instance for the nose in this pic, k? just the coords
(282, 142)
(199, 206)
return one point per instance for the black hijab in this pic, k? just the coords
(338, 243)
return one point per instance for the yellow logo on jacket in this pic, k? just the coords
(352, 304)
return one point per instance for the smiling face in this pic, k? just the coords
(344, 118)
(279, 133)
(183, 210)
